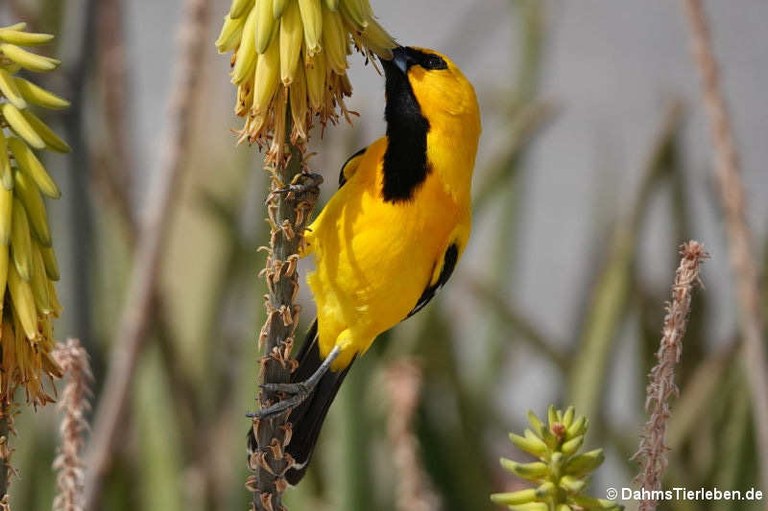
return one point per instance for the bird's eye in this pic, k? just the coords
(434, 62)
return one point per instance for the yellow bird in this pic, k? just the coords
(390, 237)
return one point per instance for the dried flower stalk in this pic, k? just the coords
(74, 404)
(288, 215)
(740, 243)
(661, 387)
(6, 469)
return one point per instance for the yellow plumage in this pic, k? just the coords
(375, 258)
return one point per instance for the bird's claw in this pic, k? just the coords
(271, 411)
(291, 389)
(304, 185)
(298, 392)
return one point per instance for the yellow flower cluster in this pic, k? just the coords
(28, 265)
(294, 52)
(561, 471)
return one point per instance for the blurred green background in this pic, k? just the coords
(595, 164)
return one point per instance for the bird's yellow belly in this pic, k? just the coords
(373, 261)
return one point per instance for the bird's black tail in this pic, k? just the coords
(308, 417)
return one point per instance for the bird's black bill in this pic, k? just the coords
(400, 59)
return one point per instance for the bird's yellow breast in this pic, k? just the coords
(375, 258)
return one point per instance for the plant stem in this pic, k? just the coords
(288, 214)
(740, 242)
(662, 386)
(74, 405)
(5, 450)
(135, 320)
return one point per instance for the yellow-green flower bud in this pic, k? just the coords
(583, 464)
(295, 49)
(535, 423)
(552, 416)
(28, 301)
(546, 490)
(530, 471)
(530, 506)
(572, 484)
(578, 426)
(531, 444)
(515, 497)
(571, 446)
(568, 416)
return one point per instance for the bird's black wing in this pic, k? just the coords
(350, 166)
(450, 258)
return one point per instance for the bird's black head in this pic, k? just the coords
(404, 57)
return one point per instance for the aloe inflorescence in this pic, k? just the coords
(561, 472)
(295, 52)
(28, 264)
